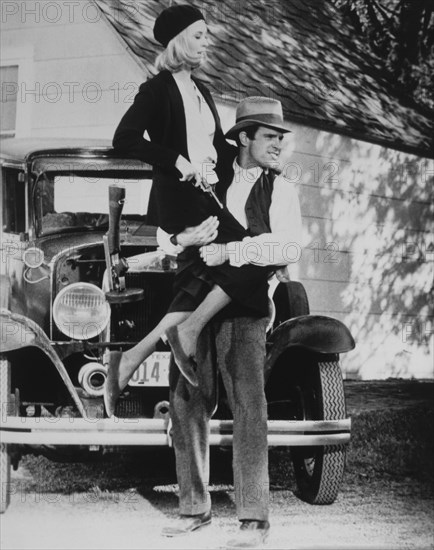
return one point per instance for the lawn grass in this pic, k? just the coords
(393, 443)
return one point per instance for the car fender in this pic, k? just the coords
(18, 331)
(316, 333)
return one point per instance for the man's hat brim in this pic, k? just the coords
(240, 126)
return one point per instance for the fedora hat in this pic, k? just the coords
(257, 110)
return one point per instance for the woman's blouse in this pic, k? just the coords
(200, 126)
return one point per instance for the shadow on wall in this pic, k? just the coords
(369, 208)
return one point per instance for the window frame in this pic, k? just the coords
(21, 57)
(4, 134)
(21, 214)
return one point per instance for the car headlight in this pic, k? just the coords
(81, 311)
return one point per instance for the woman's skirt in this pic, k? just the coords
(182, 205)
(247, 286)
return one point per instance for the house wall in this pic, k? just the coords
(367, 253)
(75, 78)
(369, 211)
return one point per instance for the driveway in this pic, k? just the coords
(124, 503)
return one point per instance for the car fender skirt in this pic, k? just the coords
(316, 333)
(18, 331)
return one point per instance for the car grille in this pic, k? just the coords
(131, 322)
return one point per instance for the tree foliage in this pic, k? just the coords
(401, 34)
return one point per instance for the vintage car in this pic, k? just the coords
(68, 296)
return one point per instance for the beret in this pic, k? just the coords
(174, 20)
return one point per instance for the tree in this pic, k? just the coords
(401, 34)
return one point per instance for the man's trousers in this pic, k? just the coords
(236, 348)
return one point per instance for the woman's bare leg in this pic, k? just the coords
(121, 366)
(134, 357)
(183, 337)
(190, 329)
(182, 329)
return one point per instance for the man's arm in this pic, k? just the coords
(280, 247)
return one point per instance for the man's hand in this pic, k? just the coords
(199, 235)
(214, 254)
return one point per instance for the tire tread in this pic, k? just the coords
(334, 455)
(322, 486)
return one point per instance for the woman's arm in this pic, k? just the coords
(142, 117)
(201, 234)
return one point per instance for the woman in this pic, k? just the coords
(186, 145)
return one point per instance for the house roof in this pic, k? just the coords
(299, 51)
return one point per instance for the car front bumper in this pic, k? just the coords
(157, 432)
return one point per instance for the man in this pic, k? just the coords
(268, 205)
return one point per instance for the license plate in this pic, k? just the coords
(153, 372)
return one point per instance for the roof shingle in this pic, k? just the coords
(302, 53)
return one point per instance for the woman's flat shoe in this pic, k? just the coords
(186, 364)
(112, 390)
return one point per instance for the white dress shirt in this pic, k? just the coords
(280, 247)
(283, 245)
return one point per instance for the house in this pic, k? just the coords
(361, 153)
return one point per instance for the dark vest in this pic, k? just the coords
(257, 208)
(258, 204)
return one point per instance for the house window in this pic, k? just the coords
(8, 100)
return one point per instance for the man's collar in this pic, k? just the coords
(250, 174)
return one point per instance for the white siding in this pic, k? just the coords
(81, 79)
(368, 246)
(368, 223)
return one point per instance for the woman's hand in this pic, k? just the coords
(199, 235)
(187, 170)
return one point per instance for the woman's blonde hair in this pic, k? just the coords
(177, 55)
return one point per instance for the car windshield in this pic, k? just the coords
(67, 202)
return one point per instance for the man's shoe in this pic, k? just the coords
(251, 534)
(186, 524)
(185, 364)
(111, 385)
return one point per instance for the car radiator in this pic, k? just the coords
(131, 322)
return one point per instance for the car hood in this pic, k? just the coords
(52, 245)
